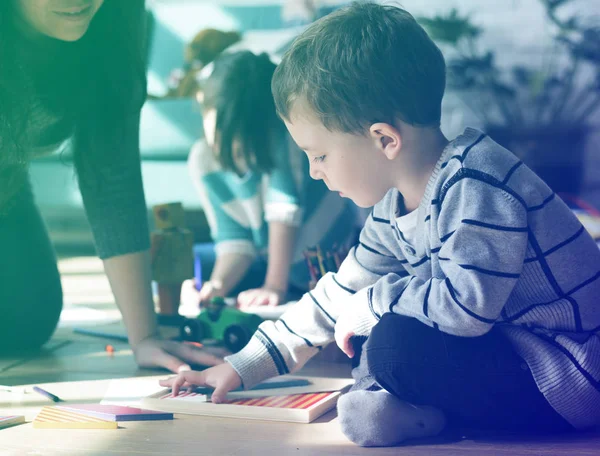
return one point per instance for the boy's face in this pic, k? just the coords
(350, 164)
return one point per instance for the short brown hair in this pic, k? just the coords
(362, 64)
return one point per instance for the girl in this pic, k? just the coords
(263, 209)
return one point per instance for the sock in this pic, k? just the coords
(377, 418)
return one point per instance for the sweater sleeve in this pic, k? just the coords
(483, 239)
(113, 195)
(284, 346)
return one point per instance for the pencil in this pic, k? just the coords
(89, 332)
(50, 396)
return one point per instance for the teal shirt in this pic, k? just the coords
(239, 209)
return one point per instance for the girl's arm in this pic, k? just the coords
(281, 248)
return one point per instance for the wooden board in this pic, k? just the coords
(116, 412)
(57, 418)
(296, 408)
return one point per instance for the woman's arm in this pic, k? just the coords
(129, 277)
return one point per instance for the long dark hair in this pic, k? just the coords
(239, 89)
(93, 83)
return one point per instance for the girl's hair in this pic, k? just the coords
(93, 83)
(239, 89)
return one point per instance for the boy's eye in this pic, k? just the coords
(318, 159)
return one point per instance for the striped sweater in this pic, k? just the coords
(239, 209)
(493, 246)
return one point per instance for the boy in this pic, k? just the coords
(474, 285)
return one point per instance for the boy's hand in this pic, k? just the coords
(223, 378)
(260, 297)
(344, 330)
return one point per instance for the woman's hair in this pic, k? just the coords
(239, 89)
(94, 82)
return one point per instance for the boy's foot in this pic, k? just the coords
(377, 418)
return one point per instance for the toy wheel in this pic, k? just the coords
(191, 330)
(235, 338)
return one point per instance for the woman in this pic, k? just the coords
(74, 70)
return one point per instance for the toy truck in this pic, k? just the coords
(223, 323)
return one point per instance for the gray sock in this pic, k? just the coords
(377, 418)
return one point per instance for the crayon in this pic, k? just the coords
(311, 268)
(320, 260)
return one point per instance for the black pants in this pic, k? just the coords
(30, 291)
(479, 383)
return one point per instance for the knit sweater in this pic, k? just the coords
(493, 246)
(111, 184)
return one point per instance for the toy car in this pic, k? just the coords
(221, 322)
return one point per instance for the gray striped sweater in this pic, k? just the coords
(493, 246)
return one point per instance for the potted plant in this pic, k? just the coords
(543, 114)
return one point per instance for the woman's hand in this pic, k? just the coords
(175, 356)
(260, 297)
(223, 378)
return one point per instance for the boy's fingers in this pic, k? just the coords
(166, 381)
(349, 348)
(219, 393)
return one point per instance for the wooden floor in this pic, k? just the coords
(77, 368)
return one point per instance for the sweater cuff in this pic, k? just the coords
(362, 316)
(253, 363)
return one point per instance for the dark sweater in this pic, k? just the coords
(110, 182)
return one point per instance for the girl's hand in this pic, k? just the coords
(260, 297)
(209, 290)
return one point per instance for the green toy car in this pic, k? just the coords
(223, 323)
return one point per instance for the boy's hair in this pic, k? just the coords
(239, 89)
(362, 64)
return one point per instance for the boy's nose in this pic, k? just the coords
(315, 173)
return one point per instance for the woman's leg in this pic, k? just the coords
(30, 292)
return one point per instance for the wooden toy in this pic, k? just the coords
(57, 418)
(296, 408)
(116, 412)
(171, 255)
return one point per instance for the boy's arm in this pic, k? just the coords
(286, 345)
(483, 231)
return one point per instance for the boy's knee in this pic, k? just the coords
(390, 331)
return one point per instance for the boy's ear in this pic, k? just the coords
(387, 139)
